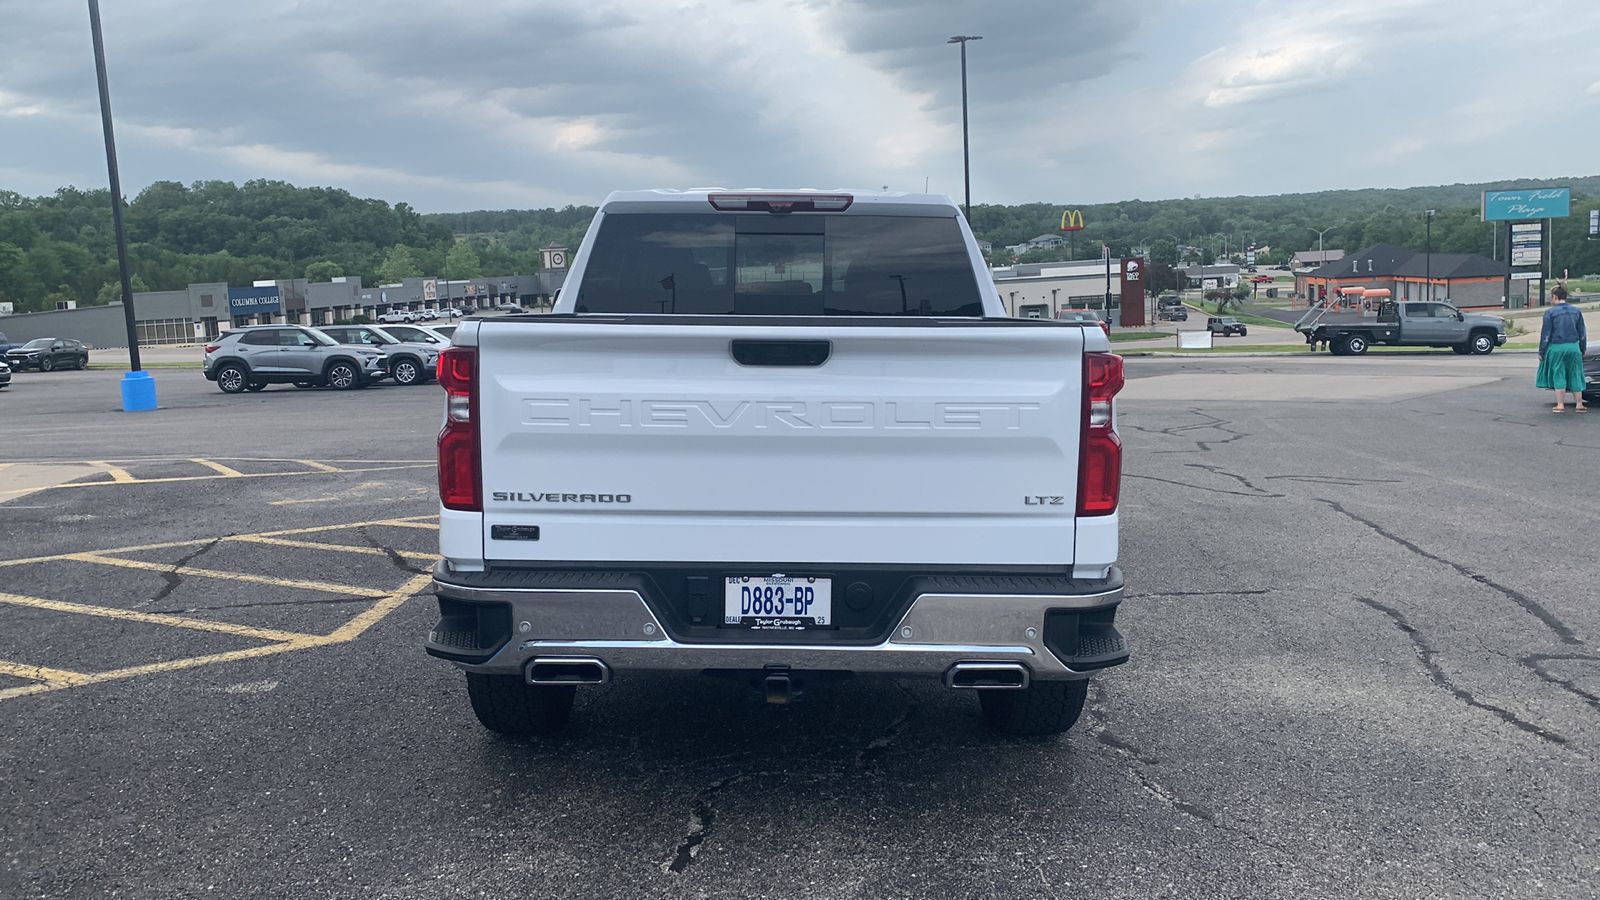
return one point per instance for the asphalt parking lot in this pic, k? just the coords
(1361, 605)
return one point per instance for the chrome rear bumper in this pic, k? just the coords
(938, 632)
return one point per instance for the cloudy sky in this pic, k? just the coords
(469, 104)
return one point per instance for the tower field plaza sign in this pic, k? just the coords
(1530, 203)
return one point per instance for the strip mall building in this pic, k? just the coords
(1465, 280)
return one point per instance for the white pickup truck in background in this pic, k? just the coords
(783, 437)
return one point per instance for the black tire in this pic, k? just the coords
(1043, 707)
(1462, 349)
(508, 705)
(254, 386)
(1482, 343)
(342, 376)
(1355, 345)
(407, 370)
(232, 379)
(1243, 332)
(46, 364)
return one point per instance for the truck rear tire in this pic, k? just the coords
(1355, 345)
(1043, 707)
(508, 705)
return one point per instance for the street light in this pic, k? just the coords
(1320, 258)
(966, 164)
(1427, 215)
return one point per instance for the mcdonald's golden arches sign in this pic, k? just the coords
(1072, 220)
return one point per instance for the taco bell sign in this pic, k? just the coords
(1133, 278)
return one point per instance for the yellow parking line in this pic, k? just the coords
(40, 673)
(354, 628)
(320, 467)
(219, 468)
(57, 557)
(323, 586)
(128, 615)
(291, 642)
(314, 545)
(175, 665)
(118, 476)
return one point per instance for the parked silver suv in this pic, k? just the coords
(405, 362)
(255, 356)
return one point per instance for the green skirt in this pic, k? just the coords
(1561, 369)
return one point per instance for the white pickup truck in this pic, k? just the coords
(782, 437)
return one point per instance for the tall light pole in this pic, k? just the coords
(1427, 215)
(138, 390)
(966, 163)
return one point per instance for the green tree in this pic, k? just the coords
(111, 291)
(398, 265)
(461, 262)
(323, 270)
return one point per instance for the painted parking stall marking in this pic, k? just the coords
(377, 602)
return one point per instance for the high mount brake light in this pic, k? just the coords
(781, 203)
(460, 476)
(1100, 459)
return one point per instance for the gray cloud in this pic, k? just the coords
(474, 103)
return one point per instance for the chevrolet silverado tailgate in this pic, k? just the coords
(718, 441)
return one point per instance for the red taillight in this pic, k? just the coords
(460, 476)
(1100, 461)
(212, 348)
(781, 203)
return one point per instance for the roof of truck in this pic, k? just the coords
(878, 203)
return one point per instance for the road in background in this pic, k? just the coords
(1360, 607)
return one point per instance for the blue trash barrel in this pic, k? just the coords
(138, 392)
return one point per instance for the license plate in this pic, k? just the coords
(777, 602)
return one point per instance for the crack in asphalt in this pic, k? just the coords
(1502, 418)
(1218, 470)
(1534, 663)
(1426, 653)
(1204, 446)
(400, 562)
(320, 601)
(878, 747)
(1339, 480)
(173, 579)
(1528, 604)
(702, 815)
(1197, 487)
(1255, 592)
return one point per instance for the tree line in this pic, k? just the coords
(61, 247)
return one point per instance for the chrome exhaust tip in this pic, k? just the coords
(567, 670)
(987, 676)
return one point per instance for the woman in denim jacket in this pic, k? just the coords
(1561, 343)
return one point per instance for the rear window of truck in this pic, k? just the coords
(776, 265)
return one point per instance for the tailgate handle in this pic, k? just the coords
(781, 353)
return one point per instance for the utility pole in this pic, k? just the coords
(966, 159)
(138, 388)
(1428, 264)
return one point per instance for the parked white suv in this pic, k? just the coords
(780, 437)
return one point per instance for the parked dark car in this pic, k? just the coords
(1172, 314)
(46, 354)
(1225, 326)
